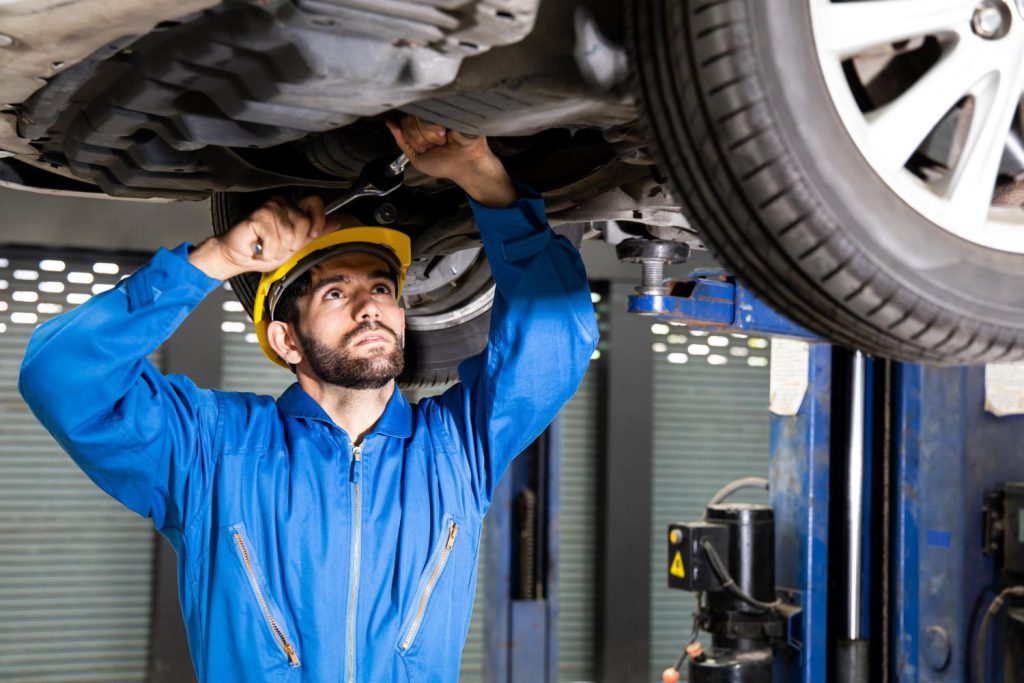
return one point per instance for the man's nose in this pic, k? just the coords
(367, 307)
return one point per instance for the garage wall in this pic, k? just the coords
(76, 567)
(577, 552)
(244, 367)
(577, 515)
(711, 426)
(33, 218)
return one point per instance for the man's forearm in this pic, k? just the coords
(104, 339)
(488, 183)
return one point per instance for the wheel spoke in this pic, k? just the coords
(847, 28)
(972, 181)
(897, 129)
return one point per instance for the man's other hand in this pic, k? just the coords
(468, 162)
(265, 240)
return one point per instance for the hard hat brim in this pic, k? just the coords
(391, 246)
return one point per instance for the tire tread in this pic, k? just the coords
(703, 105)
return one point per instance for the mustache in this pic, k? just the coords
(363, 328)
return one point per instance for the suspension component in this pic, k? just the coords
(653, 255)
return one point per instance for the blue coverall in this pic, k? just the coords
(301, 558)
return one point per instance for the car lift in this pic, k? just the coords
(896, 519)
(895, 513)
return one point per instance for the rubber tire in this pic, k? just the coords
(431, 357)
(741, 122)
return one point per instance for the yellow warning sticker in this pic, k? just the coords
(677, 568)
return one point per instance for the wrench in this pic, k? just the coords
(373, 183)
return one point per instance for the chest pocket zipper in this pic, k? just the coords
(275, 628)
(424, 597)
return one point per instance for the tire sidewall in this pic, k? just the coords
(966, 278)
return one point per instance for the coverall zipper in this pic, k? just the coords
(357, 452)
(429, 588)
(288, 649)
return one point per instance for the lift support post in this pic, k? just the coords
(930, 454)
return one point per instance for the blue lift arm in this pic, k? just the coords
(713, 299)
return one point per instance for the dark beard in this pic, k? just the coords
(341, 368)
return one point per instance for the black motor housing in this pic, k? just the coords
(743, 536)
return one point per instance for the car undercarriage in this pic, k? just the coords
(246, 96)
(858, 169)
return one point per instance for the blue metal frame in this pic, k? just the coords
(520, 635)
(949, 453)
(799, 474)
(498, 565)
(713, 299)
(554, 477)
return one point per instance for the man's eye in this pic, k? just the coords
(332, 294)
(382, 289)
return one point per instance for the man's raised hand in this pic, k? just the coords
(468, 162)
(264, 240)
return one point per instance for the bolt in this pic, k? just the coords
(937, 648)
(653, 256)
(989, 20)
(386, 213)
(6, 40)
(653, 273)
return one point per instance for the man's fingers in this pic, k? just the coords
(400, 140)
(313, 206)
(282, 229)
(296, 232)
(260, 230)
(431, 133)
(464, 140)
(422, 136)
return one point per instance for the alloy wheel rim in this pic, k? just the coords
(946, 134)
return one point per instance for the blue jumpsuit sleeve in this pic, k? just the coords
(142, 437)
(543, 332)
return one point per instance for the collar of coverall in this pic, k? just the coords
(396, 420)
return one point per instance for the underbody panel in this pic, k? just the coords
(250, 95)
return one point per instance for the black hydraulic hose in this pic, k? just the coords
(990, 613)
(693, 639)
(729, 585)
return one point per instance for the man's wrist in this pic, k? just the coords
(208, 256)
(488, 183)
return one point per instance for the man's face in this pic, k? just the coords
(351, 330)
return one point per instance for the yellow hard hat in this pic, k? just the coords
(393, 247)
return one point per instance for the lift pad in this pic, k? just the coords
(713, 299)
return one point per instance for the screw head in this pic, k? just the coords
(990, 20)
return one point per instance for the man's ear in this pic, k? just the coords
(284, 342)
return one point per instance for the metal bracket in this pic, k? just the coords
(713, 299)
(794, 607)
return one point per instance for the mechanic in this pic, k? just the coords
(331, 535)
